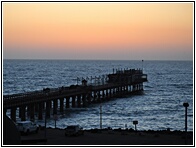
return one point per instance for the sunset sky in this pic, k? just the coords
(98, 30)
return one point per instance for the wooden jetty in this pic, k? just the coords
(53, 100)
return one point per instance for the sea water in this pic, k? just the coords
(170, 84)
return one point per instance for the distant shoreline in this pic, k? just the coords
(128, 130)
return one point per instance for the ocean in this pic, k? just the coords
(170, 84)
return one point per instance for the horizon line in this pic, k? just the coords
(95, 59)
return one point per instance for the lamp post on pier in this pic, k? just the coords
(135, 122)
(45, 125)
(186, 105)
(100, 117)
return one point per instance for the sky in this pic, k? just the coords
(98, 30)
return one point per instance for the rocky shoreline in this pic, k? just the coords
(118, 137)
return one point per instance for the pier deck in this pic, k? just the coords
(114, 85)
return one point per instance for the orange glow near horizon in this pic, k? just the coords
(88, 27)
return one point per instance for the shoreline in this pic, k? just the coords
(52, 136)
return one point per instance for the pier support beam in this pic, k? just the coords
(67, 102)
(113, 92)
(99, 96)
(117, 90)
(110, 93)
(103, 94)
(19, 112)
(134, 88)
(73, 101)
(13, 114)
(121, 91)
(61, 105)
(55, 106)
(48, 106)
(36, 107)
(141, 86)
(22, 113)
(127, 89)
(84, 100)
(40, 113)
(79, 100)
(94, 96)
(130, 88)
(89, 95)
(31, 110)
(107, 97)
